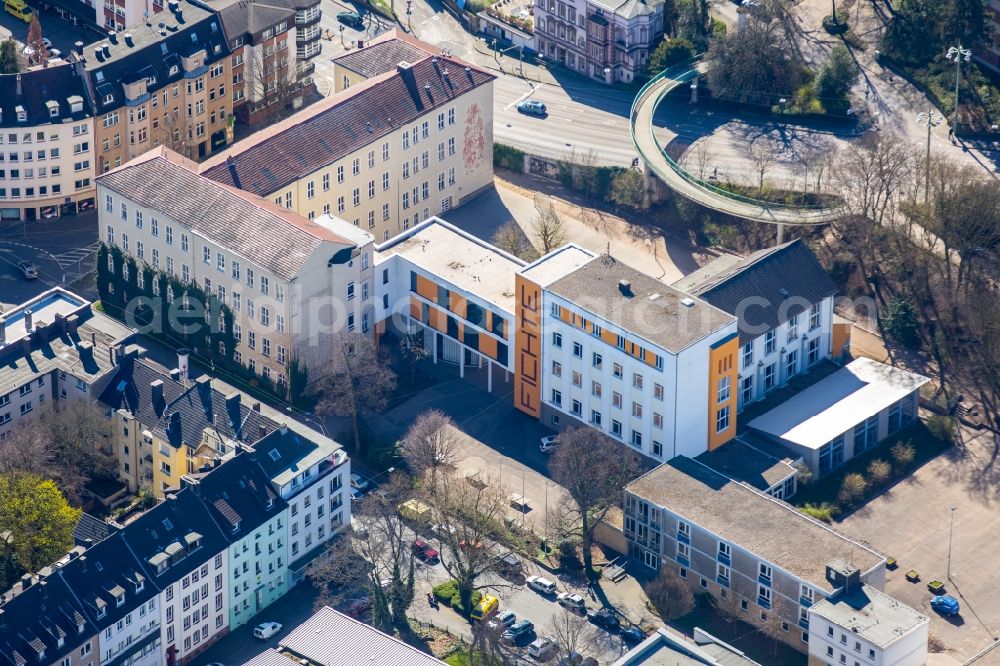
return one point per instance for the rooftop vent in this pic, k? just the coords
(625, 287)
(113, 36)
(107, 50)
(687, 302)
(128, 39)
(654, 297)
(163, 28)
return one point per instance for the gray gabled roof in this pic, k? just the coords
(782, 281)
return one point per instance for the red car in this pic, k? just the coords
(423, 550)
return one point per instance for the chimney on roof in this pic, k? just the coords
(182, 363)
(18, 85)
(175, 375)
(86, 351)
(174, 427)
(72, 322)
(284, 428)
(156, 393)
(261, 432)
(128, 39)
(113, 36)
(26, 581)
(233, 407)
(625, 287)
(163, 28)
(107, 50)
(78, 48)
(41, 332)
(844, 575)
(256, 407)
(27, 312)
(60, 323)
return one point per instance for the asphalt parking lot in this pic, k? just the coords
(912, 523)
(62, 33)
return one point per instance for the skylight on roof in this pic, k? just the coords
(98, 566)
(167, 525)
(274, 454)
(121, 386)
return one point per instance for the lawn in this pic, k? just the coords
(825, 491)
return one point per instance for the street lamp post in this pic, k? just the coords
(951, 531)
(928, 119)
(342, 37)
(958, 54)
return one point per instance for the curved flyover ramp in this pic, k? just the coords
(679, 180)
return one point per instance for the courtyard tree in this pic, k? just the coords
(593, 469)
(511, 239)
(377, 560)
(627, 189)
(39, 53)
(36, 523)
(548, 228)
(79, 436)
(573, 634)
(670, 596)
(431, 445)
(361, 380)
(8, 57)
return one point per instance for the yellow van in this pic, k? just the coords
(20, 9)
(488, 605)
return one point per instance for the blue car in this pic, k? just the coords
(946, 605)
(532, 108)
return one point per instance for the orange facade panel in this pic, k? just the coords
(609, 338)
(527, 346)
(414, 308)
(722, 368)
(426, 288)
(458, 304)
(488, 346)
(840, 338)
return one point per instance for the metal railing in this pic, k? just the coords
(681, 73)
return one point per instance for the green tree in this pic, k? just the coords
(835, 78)
(627, 189)
(694, 23)
(899, 321)
(921, 30)
(669, 52)
(8, 57)
(38, 523)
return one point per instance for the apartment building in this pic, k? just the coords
(754, 554)
(46, 144)
(183, 553)
(783, 298)
(167, 426)
(166, 82)
(391, 151)
(117, 599)
(861, 625)
(451, 293)
(609, 41)
(54, 347)
(312, 474)
(45, 623)
(252, 517)
(290, 284)
(604, 345)
(262, 40)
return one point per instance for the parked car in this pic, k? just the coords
(28, 270)
(356, 494)
(359, 528)
(517, 630)
(540, 584)
(633, 635)
(351, 19)
(358, 608)
(265, 630)
(442, 529)
(510, 564)
(572, 601)
(542, 647)
(574, 658)
(946, 605)
(532, 107)
(423, 550)
(358, 481)
(603, 617)
(503, 620)
(548, 443)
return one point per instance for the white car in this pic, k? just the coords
(541, 647)
(540, 584)
(359, 528)
(548, 443)
(265, 630)
(571, 601)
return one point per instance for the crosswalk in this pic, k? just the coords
(74, 257)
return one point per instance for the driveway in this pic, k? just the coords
(912, 522)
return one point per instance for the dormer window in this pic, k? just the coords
(173, 70)
(60, 642)
(80, 626)
(270, 503)
(236, 527)
(41, 654)
(53, 108)
(22, 115)
(109, 98)
(101, 611)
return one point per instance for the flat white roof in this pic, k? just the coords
(557, 264)
(456, 257)
(342, 227)
(829, 407)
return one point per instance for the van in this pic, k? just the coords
(18, 8)
(486, 607)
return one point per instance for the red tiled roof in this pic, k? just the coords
(341, 124)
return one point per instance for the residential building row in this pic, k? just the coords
(229, 539)
(609, 41)
(177, 77)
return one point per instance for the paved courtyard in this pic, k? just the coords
(912, 522)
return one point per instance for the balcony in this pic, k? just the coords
(805, 602)
(724, 582)
(684, 538)
(764, 580)
(683, 561)
(764, 603)
(804, 624)
(724, 559)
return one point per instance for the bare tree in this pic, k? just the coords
(593, 469)
(763, 153)
(471, 514)
(361, 381)
(25, 449)
(701, 158)
(270, 84)
(573, 634)
(512, 240)
(547, 228)
(670, 596)
(379, 560)
(431, 445)
(173, 132)
(39, 52)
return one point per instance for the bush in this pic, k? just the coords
(508, 157)
(852, 489)
(824, 512)
(899, 320)
(669, 52)
(879, 471)
(448, 593)
(942, 427)
(903, 453)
